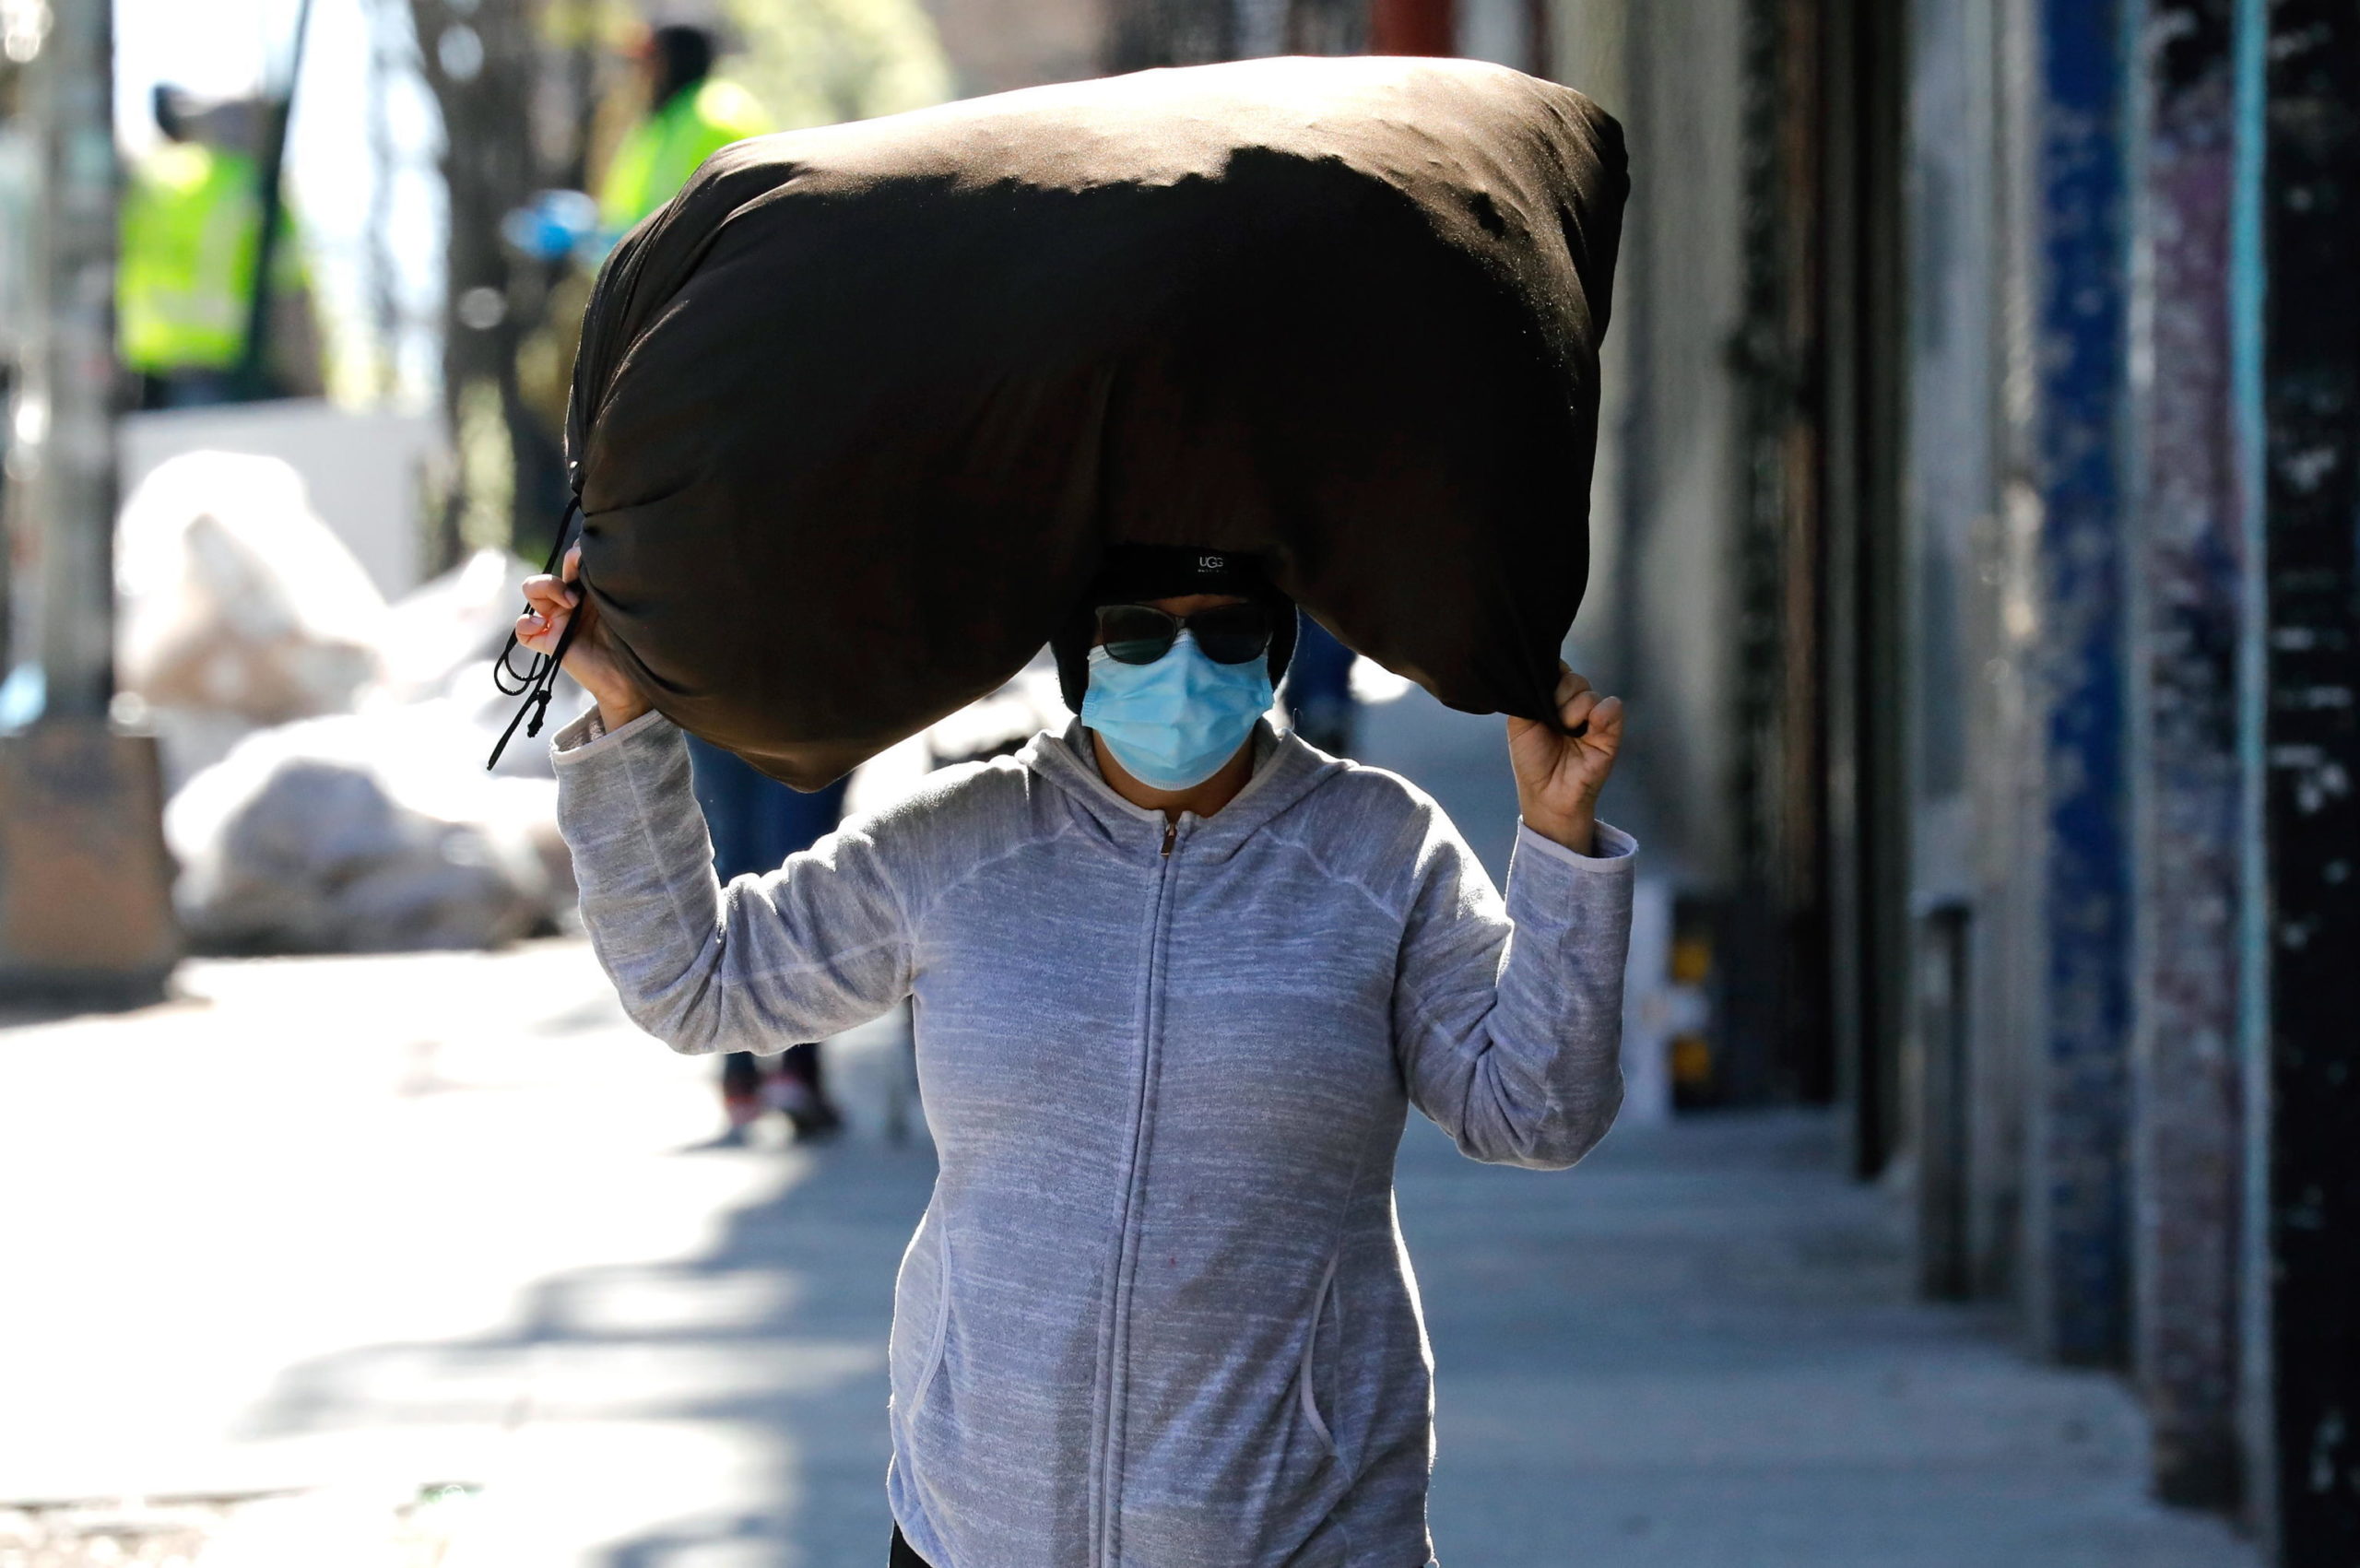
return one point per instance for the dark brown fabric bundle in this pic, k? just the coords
(855, 415)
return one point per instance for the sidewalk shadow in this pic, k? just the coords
(797, 1289)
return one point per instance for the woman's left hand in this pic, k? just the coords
(1558, 776)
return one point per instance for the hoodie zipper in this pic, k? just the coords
(1127, 1248)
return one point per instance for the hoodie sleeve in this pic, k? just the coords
(1508, 1020)
(806, 952)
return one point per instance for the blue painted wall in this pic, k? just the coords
(2081, 299)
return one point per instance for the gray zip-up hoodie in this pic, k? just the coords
(1158, 1313)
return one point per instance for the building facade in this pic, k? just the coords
(1985, 517)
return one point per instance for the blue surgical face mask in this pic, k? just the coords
(1174, 723)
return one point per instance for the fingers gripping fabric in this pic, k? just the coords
(536, 682)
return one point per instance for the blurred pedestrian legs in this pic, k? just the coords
(756, 822)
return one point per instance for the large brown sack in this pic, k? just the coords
(856, 413)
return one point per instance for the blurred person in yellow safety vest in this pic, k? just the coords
(685, 118)
(754, 821)
(192, 237)
(691, 117)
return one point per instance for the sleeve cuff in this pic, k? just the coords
(587, 735)
(1615, 848)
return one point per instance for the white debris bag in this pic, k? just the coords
(366, 833)
(239, 608)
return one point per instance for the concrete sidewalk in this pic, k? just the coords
(1700, 1349)
(359, 1228)
(370, 1225)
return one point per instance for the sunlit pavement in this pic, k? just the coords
(374, 1224)
(361, 1227)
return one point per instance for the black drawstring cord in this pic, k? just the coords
(535, 682)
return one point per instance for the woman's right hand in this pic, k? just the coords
(550, 602)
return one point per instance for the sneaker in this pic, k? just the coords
(806, 1109)
(815, 1121)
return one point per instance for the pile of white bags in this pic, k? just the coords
(325, 749)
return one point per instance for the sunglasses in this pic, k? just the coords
(1140, 635)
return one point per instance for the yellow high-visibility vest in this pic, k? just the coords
(660, 152)
(191, 230)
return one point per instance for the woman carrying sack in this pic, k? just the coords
(1178, 980)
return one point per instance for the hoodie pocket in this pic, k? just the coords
(1319, 1350)
(921, 1315)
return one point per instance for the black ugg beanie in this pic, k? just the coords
(1134, 574)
